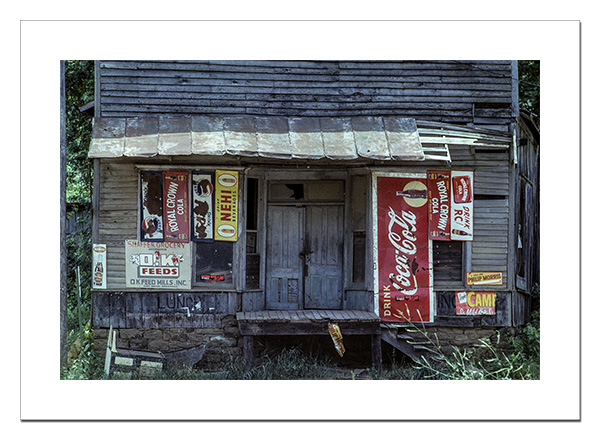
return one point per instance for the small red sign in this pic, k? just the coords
(403, 249)
(462, 189)
(176, 211)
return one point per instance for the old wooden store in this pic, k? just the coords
(238, 202)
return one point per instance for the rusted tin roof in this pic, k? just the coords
(344, 138)
(337, 138)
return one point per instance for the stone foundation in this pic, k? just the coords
(465, 338)
(220, 345)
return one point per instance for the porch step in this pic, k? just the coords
(403, 341)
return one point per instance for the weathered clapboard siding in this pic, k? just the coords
(448, 91)
(118, 206)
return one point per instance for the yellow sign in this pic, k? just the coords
(484, 278)
(226, 205)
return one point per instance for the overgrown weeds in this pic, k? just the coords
(485, 361)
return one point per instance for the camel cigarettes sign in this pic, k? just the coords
(484, 278)
(402, 255)
(157, 265)
(226, 205)
(475, 303)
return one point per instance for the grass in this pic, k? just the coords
(483, 362)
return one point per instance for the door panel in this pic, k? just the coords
(325, 232)
(285, 241)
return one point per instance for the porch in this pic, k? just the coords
(308, 322)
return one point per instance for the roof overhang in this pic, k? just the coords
(305, 138)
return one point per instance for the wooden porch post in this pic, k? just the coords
(249, 351)
(376, 350)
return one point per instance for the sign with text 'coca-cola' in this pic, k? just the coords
(402, 256)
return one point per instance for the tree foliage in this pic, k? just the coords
(79, 91)
(79, 88)
(529, 86)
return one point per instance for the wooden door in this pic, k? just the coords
(285, 242)
(324, 251)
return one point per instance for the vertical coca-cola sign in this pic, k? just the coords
(401, 248)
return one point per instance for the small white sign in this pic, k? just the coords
(156, 265)
(99, 266)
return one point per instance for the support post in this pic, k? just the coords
(376, 350)
(249, 351)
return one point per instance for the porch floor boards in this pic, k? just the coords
(308, 322)
(317, 316)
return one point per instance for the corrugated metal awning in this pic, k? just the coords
(336, 138)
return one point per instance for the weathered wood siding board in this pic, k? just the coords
(117, 216)
(447, 91)
(158, 309)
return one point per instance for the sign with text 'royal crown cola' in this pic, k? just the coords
(438, 185)
(176, 211)
(402, 255)
(450, 205)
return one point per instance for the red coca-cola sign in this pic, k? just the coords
(403, 275)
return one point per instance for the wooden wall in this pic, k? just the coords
(118, 201)
(478, 92)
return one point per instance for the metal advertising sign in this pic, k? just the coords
(152, 206)
(176, 212)
(462, 206)
(475, 303)
(158, 265)
(226, 205)
(403, 275)
(438, 185)
(99, 266)
(484, 278)
(203, 189)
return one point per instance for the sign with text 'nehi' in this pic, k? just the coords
(226, 205)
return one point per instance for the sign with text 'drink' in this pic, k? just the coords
(403, 277)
